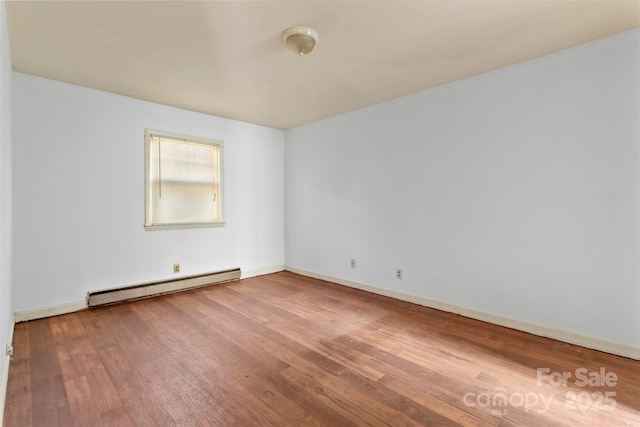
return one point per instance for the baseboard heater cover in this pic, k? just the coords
(146, 290)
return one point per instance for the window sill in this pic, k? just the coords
(153, 227)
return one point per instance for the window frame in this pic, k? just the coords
(148, 224)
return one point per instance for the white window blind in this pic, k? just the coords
(184, 186)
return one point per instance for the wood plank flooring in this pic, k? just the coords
(286, 350)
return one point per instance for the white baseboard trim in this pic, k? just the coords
(5, 374)
(261, 271)
(56, 310)
(571, 337)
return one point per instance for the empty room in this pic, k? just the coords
(323, 213)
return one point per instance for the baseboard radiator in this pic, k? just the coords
(146, 290)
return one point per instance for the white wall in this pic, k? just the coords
(78, 177)
(515, 192)
(6, 285)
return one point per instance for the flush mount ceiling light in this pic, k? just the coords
(300, 39)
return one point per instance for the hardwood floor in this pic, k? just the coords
(286, 350)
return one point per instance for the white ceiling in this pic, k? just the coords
(227, 58)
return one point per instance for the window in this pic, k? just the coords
(183, 181)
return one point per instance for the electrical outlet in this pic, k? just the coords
(353, 263)
(398, 273)
(176, 268)
(9, 350)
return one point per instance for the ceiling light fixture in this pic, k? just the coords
(301, 40)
